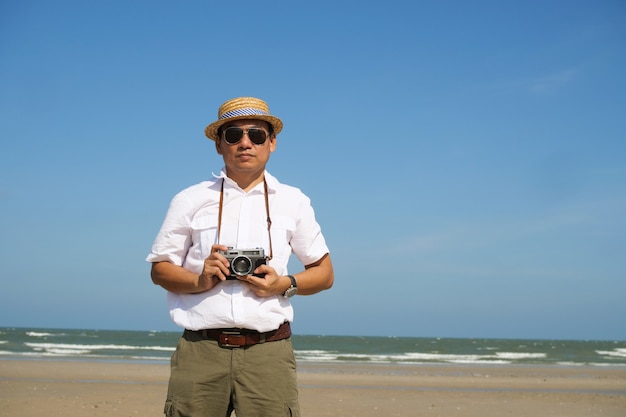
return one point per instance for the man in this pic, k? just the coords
(222, 255)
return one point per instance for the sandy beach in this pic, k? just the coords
(77, 388)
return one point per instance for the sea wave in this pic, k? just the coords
(616, 353)
(520, 355)
(42, 334)
(158, 346)
(88, 348)
(417, 357)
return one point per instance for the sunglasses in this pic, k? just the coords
(233, 135)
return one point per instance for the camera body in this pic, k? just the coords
(244, 261)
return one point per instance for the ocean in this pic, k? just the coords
(157, 347)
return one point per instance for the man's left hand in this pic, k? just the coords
(270, 285)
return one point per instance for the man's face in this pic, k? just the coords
(245, 156)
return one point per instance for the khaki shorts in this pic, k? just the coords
(209, 381)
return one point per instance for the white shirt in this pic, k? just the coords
(190, 228)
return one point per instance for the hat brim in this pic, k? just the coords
(211, 130)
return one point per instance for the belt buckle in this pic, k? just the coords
(232, 339)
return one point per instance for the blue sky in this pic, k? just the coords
(466, 159)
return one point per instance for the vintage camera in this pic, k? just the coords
(244, 261)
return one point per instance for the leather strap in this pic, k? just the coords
(267, 210)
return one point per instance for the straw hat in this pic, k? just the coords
(243, 108)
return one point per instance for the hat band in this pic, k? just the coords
(243, 112)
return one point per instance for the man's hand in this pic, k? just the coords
(272, 284)
(215, 267)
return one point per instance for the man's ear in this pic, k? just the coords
(218, 146)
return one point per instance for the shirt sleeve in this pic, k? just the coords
(308, 243)
(174, 239)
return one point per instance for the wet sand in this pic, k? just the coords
(81, 388)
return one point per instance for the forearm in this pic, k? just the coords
(316, 277)
(176, 279)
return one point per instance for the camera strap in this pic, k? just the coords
(267, 210)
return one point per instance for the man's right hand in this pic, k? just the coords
(216, 268)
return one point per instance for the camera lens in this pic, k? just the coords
(241, 265)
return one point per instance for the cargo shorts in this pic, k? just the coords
(207, 380)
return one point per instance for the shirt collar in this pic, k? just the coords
(272, 182)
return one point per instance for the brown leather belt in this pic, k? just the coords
(237, 338)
